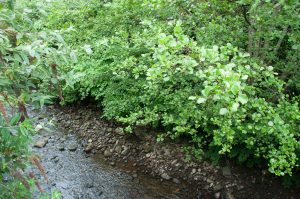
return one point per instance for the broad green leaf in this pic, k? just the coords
(201, 100)
(223, 111)
(242, 98)
(235, 107)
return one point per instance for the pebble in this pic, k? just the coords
(119, 131)
(217, 195)
(100, 193)
(175, 180)
(217, 187)
(193, 171)
(178, 165)
(167, 152)
(165, 176)
(89, 185)
(240, 187)
(61, 147)
(118, 149)
(148, 155)
(56, 160)
(125, 150)
(107, 153)
(41, 143)
(72, 146)
(209, 180)
(89, 148)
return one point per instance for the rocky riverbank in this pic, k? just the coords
(140, 155)
(77, 174)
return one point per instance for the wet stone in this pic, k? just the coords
(61, 147)
(165, 176)
(89, 148)
(89, 185)
(72, 146)
(56, 160)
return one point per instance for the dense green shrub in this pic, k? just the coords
(27, 61)
(171, 64)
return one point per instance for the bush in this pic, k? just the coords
(28, 60)
(139, 64)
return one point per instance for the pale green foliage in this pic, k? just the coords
(184, 66)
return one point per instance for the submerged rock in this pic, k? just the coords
(61, 147)
(72, 146)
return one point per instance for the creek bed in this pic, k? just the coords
(79, 175)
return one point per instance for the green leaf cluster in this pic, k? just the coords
(198, 69)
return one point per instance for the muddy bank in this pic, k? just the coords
(141, 156)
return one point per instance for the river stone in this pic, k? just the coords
(61, 147)
(72, 146)
(217, 195)
(125, 150)
(165, 176)
(147, 148)
(41, 143)
(175, 180)
(107, 153)
(118, 149)
(209, 180)
(89, 184)
(217, 187)
(148, 155)
(119, 131)
(89, 148)
(167, 152)
(56, 159)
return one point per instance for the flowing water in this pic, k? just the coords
(79, 175)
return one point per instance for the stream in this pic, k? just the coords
(77, 174)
